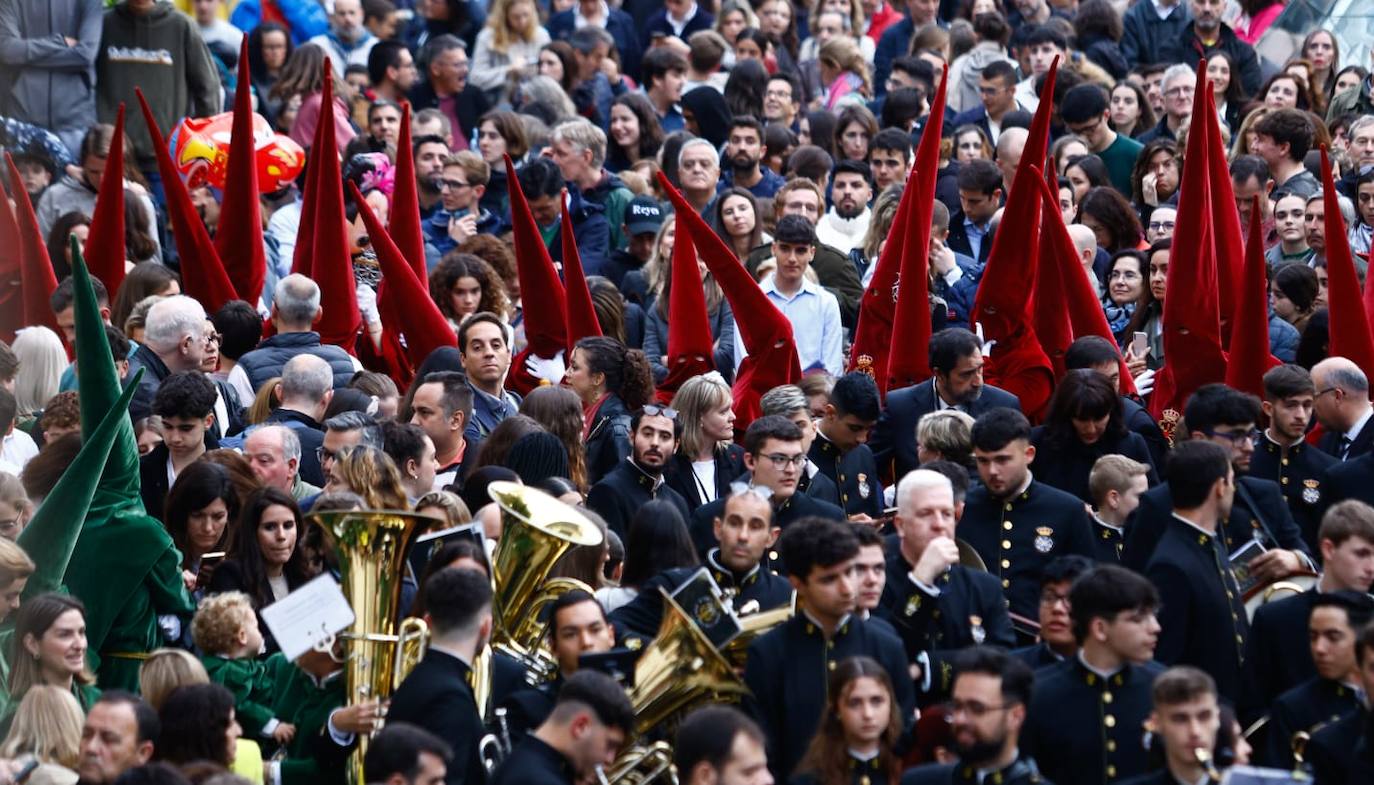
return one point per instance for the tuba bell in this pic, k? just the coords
(371, 548)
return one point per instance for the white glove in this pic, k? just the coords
(367, 304)
(549, 371)
(1145, 382)
(987, 345)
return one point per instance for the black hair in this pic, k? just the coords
(1245, 167)
(457, 395)
(1082, 394)
(9, 409)
(599, 693)
(657, 540)
(1083, 103)
(1285, 381)
(195, 719)
(403, 441)
(1288, 126)
(850, 166)
(956, 474)
(795, 230)
(980, 176)
(1299, 284)
(62, 297)
(155, 773)
(567, 600)
(257, 66)
(867, 535)
(197, 487)
(245, 550)
(657, 62)
(773, 426)
(627, 370)
(538, 455)
(1016, 675)
(239, 326)
(638, 415)
(998, 427)
(811, 162)
(454, 597)
(816, 542)
(1216, 404)
(384, 55)
(1359, 606)
(119, 344)
(1194, 468)
(396, 749)
(1090, 350)
(1105, 591)
(901, 107)
(149, 724)
(1045, 34)
(892, 139)
(746, 121)
(947, 347)
(419, 141)
(1063, 569)
(1000, 69)
(708, 736)
(188, 394)
(856, 393)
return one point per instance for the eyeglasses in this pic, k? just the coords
(653, 410)
(1160, 226)
(973, 709)
(1235, 437)
(453, 185)
(1051, 598)
(1324, 391)
(1086, 128)
(215, 338)
(1181, 90)
(781, 461)
(322, 455)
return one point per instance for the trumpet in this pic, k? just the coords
(1204, 758)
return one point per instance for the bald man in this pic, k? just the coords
(1010, 144)
(1085, 243)
(1343, 409)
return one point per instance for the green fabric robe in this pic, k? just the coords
(307, 704)
(253, 683)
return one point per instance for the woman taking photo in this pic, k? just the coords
(707, 459)
(1085, 422)
(200, 505)
(858, 732)
(635, 132)
(508, 46)
(1149, 313)
(50, 648)
(612, 381)
(263, 560)
(1125, 290)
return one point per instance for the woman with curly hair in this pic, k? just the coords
(463, 284)
(508, 46)
(1111, 218)
(635, 133)
(859, 730)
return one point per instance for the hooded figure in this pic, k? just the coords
(705, 108)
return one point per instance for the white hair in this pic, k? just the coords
(41, 363)
(1174, 73)
(919, 480)
(1083, 238)
(697, 142)
(290, 442)
(306, 377)
(297, 299)
(171, 320)
(583, 135)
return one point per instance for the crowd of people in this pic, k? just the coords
(857, 309)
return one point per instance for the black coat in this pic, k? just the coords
(626, 488)
(786, 673)
(855, 473)
(1349, 480)
(1187, 48)
(1259, 510)
(894, 438)
(957, 240)
(1067, 466)
(1298, 470)
(311, 435)
(640, 618)
(818, 487)
(532, 762)
(1342, 753)
(1038, 656)
(795, 507)
(1108, 542)
(608, 443)
(436, 697)
(1364, 442)
(1314, 703)
(1138, 420)
(678, 474)
(1278, 657)
(1022, 771)
(1085, 729)
(969, 610)
(1018, 537)
(1201, 615)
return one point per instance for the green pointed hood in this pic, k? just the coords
(51, 535)
(98, 387)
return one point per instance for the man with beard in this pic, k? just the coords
(430, 154)
(992, 691)
(1088, 714)
(486, 360)
(348, 42)
(1057, 642)
(391, 71)
(846, 222)
(654, 434)
(956, 364)
(1205, 34)
(1282, 453)
(744, 151)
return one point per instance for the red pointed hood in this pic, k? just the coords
(331, 262)
(689, 323)
(1193, 354)
(1349, 325)
(36, 273)
(105, 244)
(911, 315)
(202, 274)
(1249, 350)
(419, 319)
(582, 321)
(541, 291)
(405, 227)
(1050, 299)
(11, 264)
(239, 240)
(765, 332)
(1227, 233)
(873, 335)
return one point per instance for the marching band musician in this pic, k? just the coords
(719, 745)
(1334, 692)
(745, 532)
(870, 577)
(987, 709)
(841, 449)
(785, 666)
(1282, 453)
(790, 402)
(936, 604)
(588, 727)
(654, 434)
(1186, 720)
(1057, 640)
(436, 695)
(1087, 716)
(1278, 657)
(577, 626)
(1341, 752)
(861, 726)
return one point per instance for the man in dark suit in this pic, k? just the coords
(992, 691)
(1343, 752)
(1343, 409)
(1283, 455)
(1278, 657)
(1227, 417)
(841, 449)
(956, 362)
(1202, 611)
(446, 87)
(638, 479)
(186, 403)
(436, 696)
(980, 194)
(773, 455)
(1349, 480)
(589, 725)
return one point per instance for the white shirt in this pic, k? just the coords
(704, 474)
(679, 26)
(18, 449)
(1359, 425)
(844, 234)
(815, 316)
(1165, 10)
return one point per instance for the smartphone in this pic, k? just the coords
(1140, 345)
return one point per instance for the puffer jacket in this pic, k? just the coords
(1283, 339)
(43, 81)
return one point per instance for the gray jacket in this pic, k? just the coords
(42, 80)
(69, 195)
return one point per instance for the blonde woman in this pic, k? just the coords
(370, 473)
(41, 363)
(15, 510)
(508, 47)
(48, 727)
(844, 74)
(444, 506)
(707, 460)
(165, 670)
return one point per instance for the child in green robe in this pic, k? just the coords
(225, 629)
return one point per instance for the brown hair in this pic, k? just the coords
(1350, 518)
(559, 410)
(1180, 684)
(827, 756)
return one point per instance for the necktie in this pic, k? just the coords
(1345, 447)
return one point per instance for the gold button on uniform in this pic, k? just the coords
(1106, 697)
(1111, 745)
(1006, 584)
(1006, 525)
(1006, 545)
(1111, 771)
(1006, 563)
(831, 664)
(1109, 721)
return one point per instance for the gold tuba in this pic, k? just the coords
(752, 625)
(371, 548)
(640, 765)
